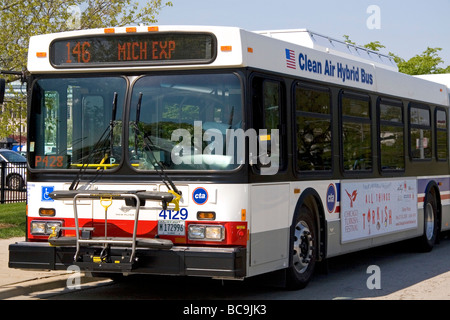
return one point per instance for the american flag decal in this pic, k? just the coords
(290, 59)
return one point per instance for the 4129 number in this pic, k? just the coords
(174, 215)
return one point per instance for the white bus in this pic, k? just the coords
(219, 152)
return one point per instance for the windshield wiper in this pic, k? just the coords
(99, 145)
(138, 116)
(159, 167)
(111, 125)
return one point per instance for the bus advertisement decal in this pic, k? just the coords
(377, 207)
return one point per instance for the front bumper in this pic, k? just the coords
(179, 260)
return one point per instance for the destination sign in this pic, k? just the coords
(141, 49)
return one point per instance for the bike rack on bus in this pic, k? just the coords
(106, 196)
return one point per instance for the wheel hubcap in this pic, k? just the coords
(429, 221)
(303, 247)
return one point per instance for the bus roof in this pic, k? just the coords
(297, 53)
(443, 78)
(327, 44)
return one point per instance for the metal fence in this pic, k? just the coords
(13, 187)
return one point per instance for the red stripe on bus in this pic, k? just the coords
(236, 232)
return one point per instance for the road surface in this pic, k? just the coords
(393, 272)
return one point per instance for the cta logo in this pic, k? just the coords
(331, 198)
(200, 196)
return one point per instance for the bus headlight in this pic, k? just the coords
(50, 225)
(37, 227)
(206, 232)
(43, 227)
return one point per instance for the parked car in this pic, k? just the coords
(15, 169)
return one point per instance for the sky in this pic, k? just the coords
(405, 27)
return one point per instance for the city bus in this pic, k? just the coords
(224, 153)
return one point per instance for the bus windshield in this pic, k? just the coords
(71, 122)
(181, 121)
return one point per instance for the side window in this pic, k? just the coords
(420, 132)
(272, 101)
(441, 135)
(267, 122)
(356, 132)
(391, 136)
(313, 128)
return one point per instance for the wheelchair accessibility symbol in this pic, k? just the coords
(46, 192)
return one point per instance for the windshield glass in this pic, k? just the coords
(70, 123)
(181, 122)
(12, 156)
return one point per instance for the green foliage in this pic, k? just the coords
(103, 13)
(347, 40)
(12, 220)
(374, 46)
(21, 19)
(426, 63)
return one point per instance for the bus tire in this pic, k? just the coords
(430, 223)
(303, 250)
(15, 182)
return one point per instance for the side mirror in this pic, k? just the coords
(2, 90)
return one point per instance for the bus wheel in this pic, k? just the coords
(430, 222)
(303, 250)
(15, 182)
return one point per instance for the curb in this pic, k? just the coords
(41, 284)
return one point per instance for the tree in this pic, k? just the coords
(347, 40)
(426, 63)
(374, 46)
(21, 19)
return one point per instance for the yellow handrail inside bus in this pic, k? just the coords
(103, 160)
(96, 165)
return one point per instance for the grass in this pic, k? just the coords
(12, 220)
